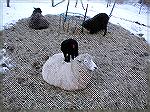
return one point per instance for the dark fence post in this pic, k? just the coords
(112, 8)
(8, 3)
(76, 3)
(66, 11)
(81, 4)
(85, 16)
(108, 2)
(53, 5)
(141, 2)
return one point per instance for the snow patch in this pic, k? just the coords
(4, 62)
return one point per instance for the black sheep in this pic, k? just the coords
(69, 47)
(37, 20)
(97, 23)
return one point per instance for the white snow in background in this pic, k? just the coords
(124, 14)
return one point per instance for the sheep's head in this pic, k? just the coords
(87, 24)
(37, 10)
(87, 60)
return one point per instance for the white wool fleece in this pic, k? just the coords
(69, 76)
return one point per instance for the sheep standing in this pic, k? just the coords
(97, 23)
(69, 76)
(37, 20)
(69, 48)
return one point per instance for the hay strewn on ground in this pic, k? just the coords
(120, 82)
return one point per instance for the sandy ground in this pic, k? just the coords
(121, 82)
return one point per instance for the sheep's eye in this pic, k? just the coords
(85, 61)
(80, 61)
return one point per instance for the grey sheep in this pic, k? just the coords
(37, 20)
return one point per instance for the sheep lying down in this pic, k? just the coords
(69, 76)
(37, 21)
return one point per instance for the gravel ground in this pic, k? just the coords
(121, 82)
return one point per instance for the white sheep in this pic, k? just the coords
(69, 76)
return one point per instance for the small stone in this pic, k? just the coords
(141, 35)
(28, 50)
(11, 48)
(23, 101)
(141, 55)
(135, 52)
(20, 80)
(46, 57)
(135, 68)
(144, 54)
(36, 65)
(4, 65)
(126, 53)
(20, 39)
(143, 39)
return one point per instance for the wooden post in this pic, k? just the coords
(66, 11)
(85, 16)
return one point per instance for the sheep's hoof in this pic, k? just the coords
(67, 61)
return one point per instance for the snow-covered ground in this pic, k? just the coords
(123, 14)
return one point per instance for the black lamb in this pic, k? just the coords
(69, 48)
(97, 23)
(37, 20)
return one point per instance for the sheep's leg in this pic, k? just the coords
(105, 32)
(67, 57)
(92, 31)
(72, 56)
(76, 53)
